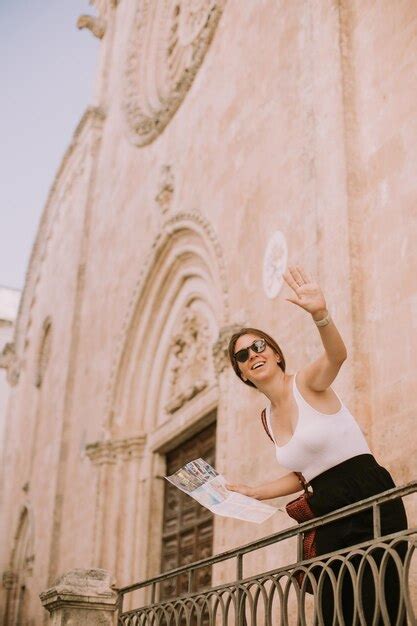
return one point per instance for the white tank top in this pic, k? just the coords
(320, 441)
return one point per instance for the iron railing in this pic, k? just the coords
(277, 598)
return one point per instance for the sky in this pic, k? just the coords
(47, 70)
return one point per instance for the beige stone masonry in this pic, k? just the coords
(82, 596)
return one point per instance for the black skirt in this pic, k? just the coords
(356, 479)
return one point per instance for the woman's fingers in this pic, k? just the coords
(297, 275)
(306, 277)
(290, 280)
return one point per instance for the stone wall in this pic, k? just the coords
(212, 128)
(9, 304)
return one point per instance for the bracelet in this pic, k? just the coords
(324, 321)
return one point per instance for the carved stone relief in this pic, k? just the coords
(220, 347)
(185, 222)
(102, 452)
(165, 189)
(9, 579)
(190, 349)
(10, 362)
(167, 45)
(94, 24)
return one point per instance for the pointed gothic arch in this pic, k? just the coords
(173, 319)
(21, 564)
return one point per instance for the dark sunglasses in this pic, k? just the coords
(257, 347)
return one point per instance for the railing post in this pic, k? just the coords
(153, 593)
(240, 613)
(300, 539)
(376, 519)
(82, 597)
(190, 580)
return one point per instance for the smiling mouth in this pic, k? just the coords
(257, 365)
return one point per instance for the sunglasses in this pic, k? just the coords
(257, 347)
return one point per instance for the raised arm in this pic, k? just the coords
(290, 483)
(319, 374)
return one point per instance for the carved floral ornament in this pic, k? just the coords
(221, 346)
(190, 360)
(167, 45)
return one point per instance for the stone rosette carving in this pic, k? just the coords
(191, 360)
(105, 452)
(167, 45)
(275, 262)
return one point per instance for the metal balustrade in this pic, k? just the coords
(276, 598)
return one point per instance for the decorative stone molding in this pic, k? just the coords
(29, 561)
(106, 452)
(104, 6)
(83, 145)
(220, 347)
(190, 347)
(10, 362)
(21, 566)
(165, 189)
(94, 24)
(9, 579)
(187, 223)
(44, 351)
(167, 45)
(82, 597)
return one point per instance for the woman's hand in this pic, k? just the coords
(243, 489)
(308, 294)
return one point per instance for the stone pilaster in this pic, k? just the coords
(118, 463)
(82, 597)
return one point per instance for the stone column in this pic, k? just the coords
(82, 596)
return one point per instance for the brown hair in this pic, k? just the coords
(260, 333)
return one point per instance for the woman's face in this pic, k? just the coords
(259, 366)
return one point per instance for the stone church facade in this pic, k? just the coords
(226, 138)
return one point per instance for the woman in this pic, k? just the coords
(316, 435)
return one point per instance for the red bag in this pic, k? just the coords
(300, 510)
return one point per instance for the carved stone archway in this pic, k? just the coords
(183, 277)
(15, 580)
(163, 381)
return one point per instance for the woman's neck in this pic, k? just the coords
(275, 388)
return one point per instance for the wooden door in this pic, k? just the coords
(187, 533)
